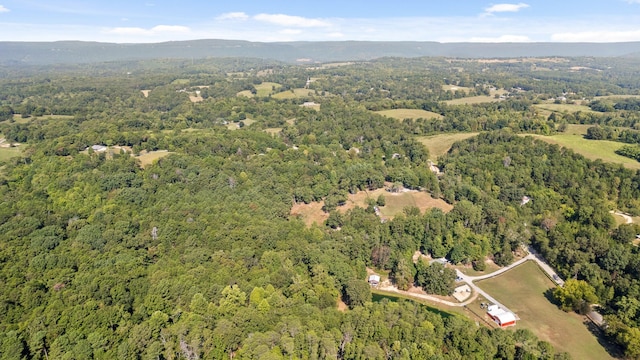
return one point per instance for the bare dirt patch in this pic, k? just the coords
(145, 93)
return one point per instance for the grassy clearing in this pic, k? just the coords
(145, 93)
(523, 291)
(438, 145)
(577, 129)
(402, 114)
(273, 131)
(592, 149)
(617, 97)
(236, 126)
(395, 203)
(294, 94)
(147, 158)
(564, 108)
(310, 213)
(455, 88)
(267, 88)
(245, 93)
(472, 100)
(7, 153)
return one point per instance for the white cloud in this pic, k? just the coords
(3, 9)
(501, 39)
(156, 30)
(597, 36)
(288, 20)
(505, 8)
(336, 35)
(290, 31)
(233, 16)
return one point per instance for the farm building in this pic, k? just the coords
(374, 280)
(501, 316)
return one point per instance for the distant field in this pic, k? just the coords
(234, 126)
(267, 88)
(577, 129)
(522, 290)
(402, 114)
(472, 100)
(147, 158)
(617, 97)
(592, 149)
(438, 145)
(455, 88)
(273, 131)
(296, 93)
(568, 108)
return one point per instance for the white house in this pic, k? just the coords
(501, 316)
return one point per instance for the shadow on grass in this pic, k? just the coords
(613, 349)
(548, 294)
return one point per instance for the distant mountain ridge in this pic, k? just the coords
(74, 52)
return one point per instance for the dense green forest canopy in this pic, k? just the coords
(195, 255)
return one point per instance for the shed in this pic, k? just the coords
(374, 280)
(501, 316)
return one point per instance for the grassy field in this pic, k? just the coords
(472, 100)
(564, 108)
(577, 129)
(616, 97)
(402, 114)
(273, 131)
(395, 204)
(234, 126)
(147, 158)
(455, 88)
(438, 145)
(592, 149)
(296, 93)
(267, 88)
(523, 291)
(7, 153)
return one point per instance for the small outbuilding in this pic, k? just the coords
(502, 317)
(374, 280)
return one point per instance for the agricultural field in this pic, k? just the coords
(472, 100)
(524, 290)
(402, 114)
(592, 149)
(455, 88)
(438, 145)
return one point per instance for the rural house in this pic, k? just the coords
(502, 317)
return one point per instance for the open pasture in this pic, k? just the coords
(438, 145)
(294, 94)
(402, 114)
(523, 290)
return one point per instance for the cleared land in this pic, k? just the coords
(273, 131)
(147, 158)
(438, 145)
(395, 203)
(455, 88)
(564, 108)
(523, 290)
(402, 114)
(267, 88)
(472, 100)
(592, 149)
(7, 153)
(236, 126)
(294, 94)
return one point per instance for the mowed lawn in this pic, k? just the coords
(438, 145)
(592, 149)
(522, 290)
(402, 114)
(7, 153)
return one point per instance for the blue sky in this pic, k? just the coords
(127, 21)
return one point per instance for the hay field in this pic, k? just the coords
(402, 114)
(148, 157)
(564, 108)
(296, 93)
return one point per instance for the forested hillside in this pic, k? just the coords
(146, 206)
